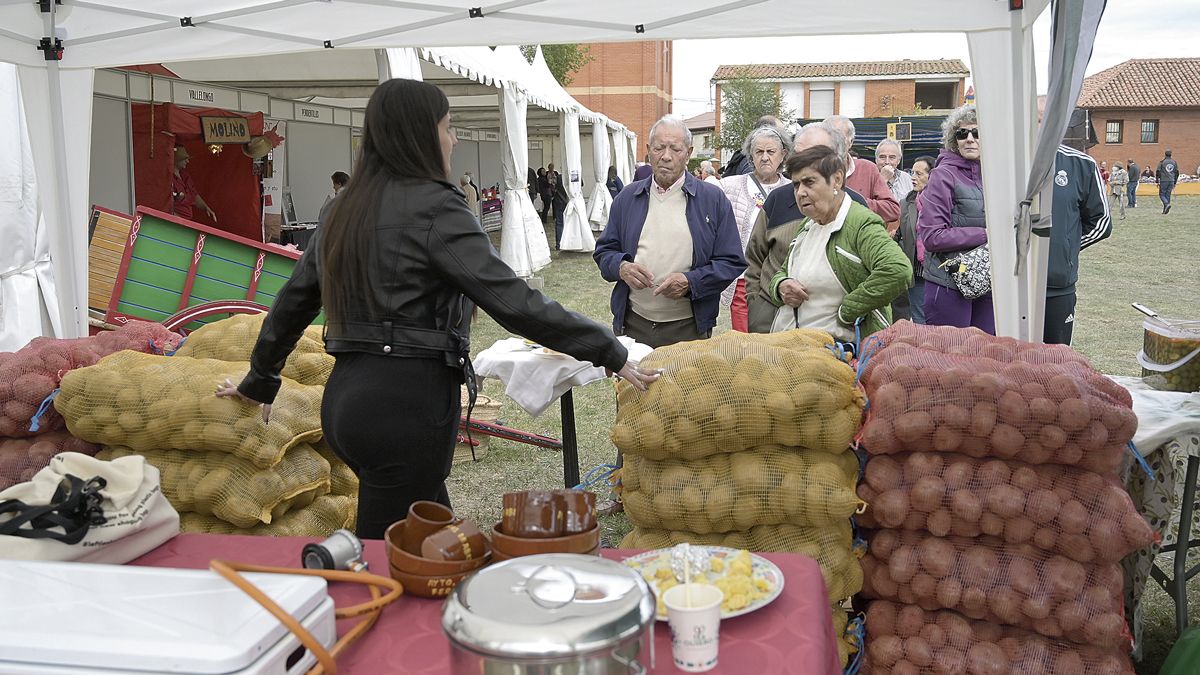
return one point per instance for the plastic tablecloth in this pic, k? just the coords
(793, 634)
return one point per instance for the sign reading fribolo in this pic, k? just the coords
(219, 130)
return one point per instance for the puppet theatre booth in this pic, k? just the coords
(220, 163)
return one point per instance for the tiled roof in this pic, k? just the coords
(1144, 83)
(706, 120)
(861, 69)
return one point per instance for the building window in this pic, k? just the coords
(1113, 131)
(820, 100)
(1149, 131)
(937, 95)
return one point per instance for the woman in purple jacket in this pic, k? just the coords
(952, 222)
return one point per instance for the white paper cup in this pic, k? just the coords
(695, 622)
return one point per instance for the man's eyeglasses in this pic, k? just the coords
(962, 134)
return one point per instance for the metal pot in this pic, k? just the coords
(551, 614)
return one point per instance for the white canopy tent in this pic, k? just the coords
(58, 46)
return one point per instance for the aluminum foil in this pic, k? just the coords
(685, 556)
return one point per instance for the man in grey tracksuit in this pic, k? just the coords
(1079, 219)
(1167, 174)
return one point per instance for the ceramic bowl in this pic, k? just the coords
(497, 556)
(413, 564)
(427, 586)
(512, 547)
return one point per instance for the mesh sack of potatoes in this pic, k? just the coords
(738, 391)
(233, 339)
(988, 580)
(973, 342)
(923, 400)
(342, 481)
(320, 518)
(231, 488)
(845, 643)
(830, 546)
(764, 486)
(29, 375)
(20, 458)
(1079, 514)
(908, 639)
(148, 402)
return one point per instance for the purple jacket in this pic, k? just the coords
(717, 257)
(951, 215)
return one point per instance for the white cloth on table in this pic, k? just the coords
(1162, 415)
(534, 379)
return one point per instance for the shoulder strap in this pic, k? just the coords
(74, 508)
(761, 189)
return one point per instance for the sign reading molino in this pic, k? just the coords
(225, 130)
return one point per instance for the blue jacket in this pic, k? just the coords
(716, 246)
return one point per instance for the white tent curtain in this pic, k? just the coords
(28, 306)
(601, 199)
(58, 112)
(401, 62)
(631, 144)
(620, 148)
(523, 242)
(577, 234)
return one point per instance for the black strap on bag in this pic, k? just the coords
(74, 508)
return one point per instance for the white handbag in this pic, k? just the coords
(84, 509)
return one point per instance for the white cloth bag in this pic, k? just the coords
(138, 516)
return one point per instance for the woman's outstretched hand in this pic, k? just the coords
(227, 389)
(640, 378)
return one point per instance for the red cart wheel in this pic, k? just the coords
(177, 321)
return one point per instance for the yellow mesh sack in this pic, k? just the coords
(147, 402)
(233, 489)
(844, 643)
(737, 391)
(233, 339)
(342, 480)
(829, 546)
(319, 519)
(765, 486)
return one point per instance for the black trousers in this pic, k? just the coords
(1060, 319)
(394, 422)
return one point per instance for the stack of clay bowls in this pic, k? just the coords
(430, 551)
(534, 521)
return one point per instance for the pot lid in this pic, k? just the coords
(555, 604)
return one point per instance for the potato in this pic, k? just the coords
(915, 429)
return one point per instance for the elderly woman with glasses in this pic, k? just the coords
(767, 148)
(952, 222)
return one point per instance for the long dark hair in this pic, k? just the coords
(399, 140)
(612, 173)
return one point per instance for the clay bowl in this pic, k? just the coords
(438, 586)
(512, 547)
(408, 563)
(498, 556)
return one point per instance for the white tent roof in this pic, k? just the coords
(99, 33)
(81, 35)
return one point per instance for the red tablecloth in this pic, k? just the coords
(794, 634)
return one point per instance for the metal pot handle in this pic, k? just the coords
(550, 593)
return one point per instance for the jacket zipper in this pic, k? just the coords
(846, 254)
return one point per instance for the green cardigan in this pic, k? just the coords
(867, 262)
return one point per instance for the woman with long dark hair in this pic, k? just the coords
(398, 268)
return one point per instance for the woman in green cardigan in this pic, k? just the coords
(843, 266)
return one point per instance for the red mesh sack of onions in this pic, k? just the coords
(922, 400)
(987, 580)
(906, 640)
(30, 374)
(20, 458)
(1060, 509)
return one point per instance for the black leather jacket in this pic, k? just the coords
(429, 252)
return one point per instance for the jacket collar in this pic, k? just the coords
(690, 185)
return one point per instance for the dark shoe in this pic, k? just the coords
(609, 507)
(1168, 209)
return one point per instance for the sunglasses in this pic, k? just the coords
(962, 134)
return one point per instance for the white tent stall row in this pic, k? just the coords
(57, 45)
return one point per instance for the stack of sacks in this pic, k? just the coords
(993, 493)
(218, 460)
(29, 375)
(233, 339)
(744, 442)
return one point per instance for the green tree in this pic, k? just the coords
(743, 101)
(562, 60)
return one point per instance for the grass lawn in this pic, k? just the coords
(1150, 258)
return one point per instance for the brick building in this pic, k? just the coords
(702, 127)
(1145, 106)
(630, 82)
(862, 89)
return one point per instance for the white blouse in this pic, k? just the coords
(809, 265)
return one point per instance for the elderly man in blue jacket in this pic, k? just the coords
(671, 245)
